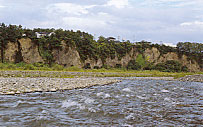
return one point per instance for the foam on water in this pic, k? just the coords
(130, 116)
(167, 99)
(17, 103)
(127, 125)
(127, 90)
(104, 95)
(164, 91)
(140, 97)
(69, 103)
(91, 110)
(107, 95)
(117, 96)
(89, 100)
(100, 94)
(129, 103)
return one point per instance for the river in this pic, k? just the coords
(128, 103)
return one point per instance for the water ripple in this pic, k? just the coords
(128, 103)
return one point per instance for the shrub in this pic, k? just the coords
(73, 68)
(169, 66)
(106, 66)
(184, 69)
(118, 65)
(21, 64)
(11, 66)
(133, 65)
(96, 67)
(57, 67)
(29, 67)
(87, 66)
(39, 65)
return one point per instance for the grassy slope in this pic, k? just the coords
(30, 70)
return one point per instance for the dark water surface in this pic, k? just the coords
(128, 103)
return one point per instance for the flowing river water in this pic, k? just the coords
(128, 103)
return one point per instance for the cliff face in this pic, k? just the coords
(23, 50)
(67, 56)
(10, 52)
(124, 60)
(154, 56)
(27, 51)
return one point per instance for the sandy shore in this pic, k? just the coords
(27, 85)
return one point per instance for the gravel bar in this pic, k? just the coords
(28, 85)
(192, 78)
(149, 78)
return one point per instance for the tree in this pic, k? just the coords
(170, 66)
(133, 65)
(8, 33)
(101, 39)
(140, 61)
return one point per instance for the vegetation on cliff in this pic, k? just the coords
(102, 48)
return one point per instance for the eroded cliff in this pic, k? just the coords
(27, 51)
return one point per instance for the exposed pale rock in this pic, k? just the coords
(168, 56)
(152, 55)
(192, 78)
(10, 51)
(29, 51)
(27, 85)
(67, 56)
(93, 62)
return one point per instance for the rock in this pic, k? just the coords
(192, 78)
(152, 55)
(29, 51)
(67, 56)
(27, 85)
(10, 52)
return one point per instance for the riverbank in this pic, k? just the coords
(28, 85)
(91, 73)
(16, 82)
(192, 78)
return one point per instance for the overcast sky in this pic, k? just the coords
(169, 21)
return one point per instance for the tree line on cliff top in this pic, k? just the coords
(88, 47)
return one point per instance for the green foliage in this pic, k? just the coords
(106, 66)
(73, 68)
(140, 61)
(87, 47)
(29, 67)
(57, 67)
(194, 51)
(8, 33)
(133, 65)
(163, 49)
(21, 64)
(142, 46)
(170, 66)
(139, 64)
(40, 65)
(87, 66)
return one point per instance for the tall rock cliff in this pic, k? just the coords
(10, 52)
(22, 50)
(27, 51)
(153, 55)
(67, 56)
